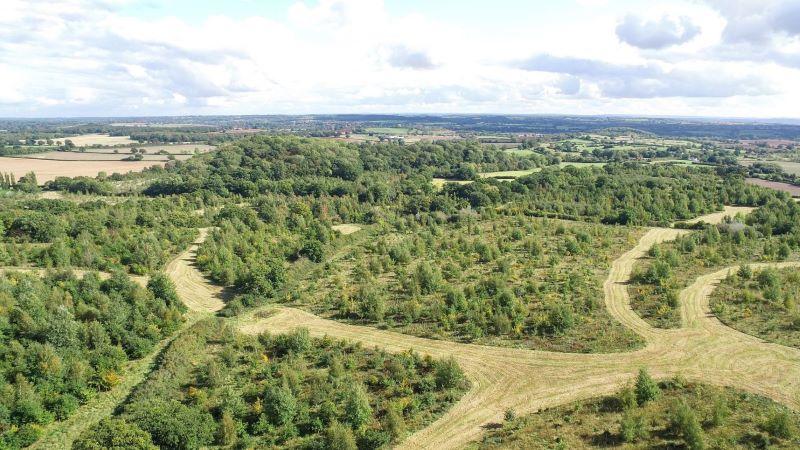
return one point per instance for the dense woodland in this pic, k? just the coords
(136, 235)
(63, 339)
(216, 387)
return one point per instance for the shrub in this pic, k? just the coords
(114, 434)
(779, 424)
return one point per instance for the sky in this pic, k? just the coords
(712, 58)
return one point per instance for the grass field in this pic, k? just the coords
(47, 170)
(388, 130)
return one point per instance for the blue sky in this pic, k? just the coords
(738, 58)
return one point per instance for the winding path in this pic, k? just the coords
(502, 378)
(527, 381)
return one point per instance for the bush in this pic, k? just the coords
(779, 424)
(339, 437)
(633, 427)
(114, 434)
(448, 374)
(684, 423)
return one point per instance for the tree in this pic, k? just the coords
(114, 434)
(646, 388)
(280, 405)
(633, 427)
(357, 409)
(394, 423)
(163, 289)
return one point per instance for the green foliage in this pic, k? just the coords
(172, 424)
(137, 235)
(215, 387)
(114, 434)
(764, 304)
(684, 423)
(633, 427)
(448, 374)
(673, 420)
(339, 437)
(63, 339)
(779, 424)
(646, 388)
(357, 410)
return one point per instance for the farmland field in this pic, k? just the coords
(97, 139)
(174, 149)
(790, 189)
(97, 156)
(47, 170)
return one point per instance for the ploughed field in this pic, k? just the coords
(47, 170)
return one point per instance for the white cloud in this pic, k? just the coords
(89, 57)
(657, 34)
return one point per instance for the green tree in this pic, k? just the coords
(684, 423)
(357, 409)
(646, 388)
(448, 374)
(280, 405)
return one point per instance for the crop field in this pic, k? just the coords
(173, 149)
(97, 139)
(790, 167)
(47, 170)
(98, 156)
(790, 189)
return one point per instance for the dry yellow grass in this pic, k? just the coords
(47, 170)
(729, 211)
(346, 228)
(195, 290)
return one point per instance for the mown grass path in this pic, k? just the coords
(702, 350)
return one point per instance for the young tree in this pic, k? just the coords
(646, 388)
(357, 409)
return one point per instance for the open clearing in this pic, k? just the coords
(346, 228)
(47, 170)
(96, 139)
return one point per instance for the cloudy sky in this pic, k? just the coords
(722, 58)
